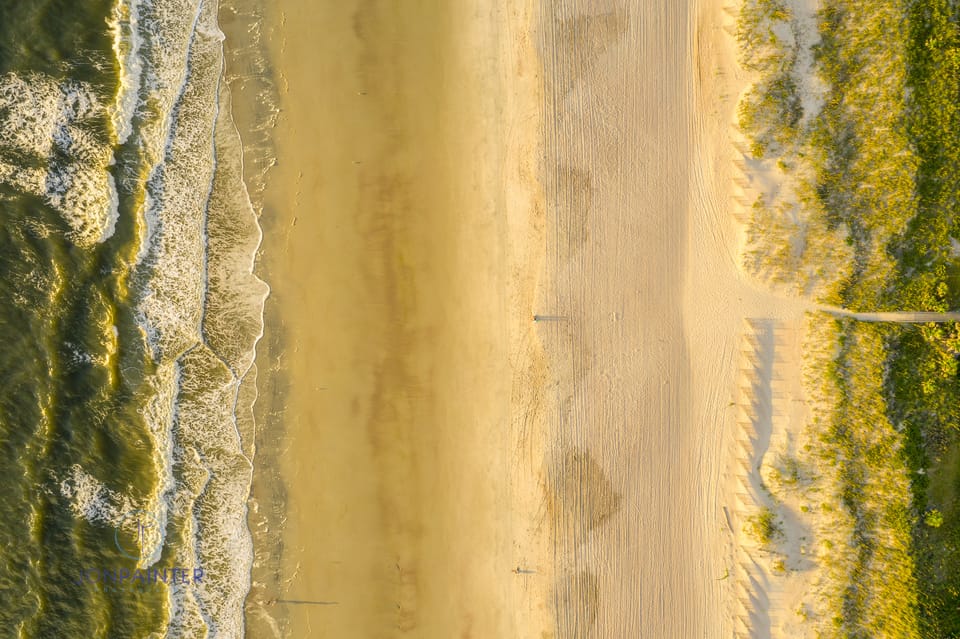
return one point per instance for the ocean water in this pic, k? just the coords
(129, 316)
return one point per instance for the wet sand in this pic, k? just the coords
(400, 220)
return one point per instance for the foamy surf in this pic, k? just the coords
(50, 148)
(201, 308)
(124, 27)
(134, 181)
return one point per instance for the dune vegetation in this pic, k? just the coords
(857, 123)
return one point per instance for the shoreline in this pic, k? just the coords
(249, 85)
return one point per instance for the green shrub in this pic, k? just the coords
(933, 518)
(764, 527)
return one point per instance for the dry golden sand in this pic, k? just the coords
(404, 222)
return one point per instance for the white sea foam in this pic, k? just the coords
(91, 500)
(49, 149)
(209, 503)
(124, 27)
(200, 308)
(160, 416)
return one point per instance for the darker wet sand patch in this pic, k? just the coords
(581, 497)
(580, 41)
(578, 596)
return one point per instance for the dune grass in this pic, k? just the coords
(873, 176)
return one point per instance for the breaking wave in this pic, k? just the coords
(200, 305)
(50, 148)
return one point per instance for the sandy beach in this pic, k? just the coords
(505, 324)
